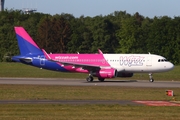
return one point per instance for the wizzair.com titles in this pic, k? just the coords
(66, 57)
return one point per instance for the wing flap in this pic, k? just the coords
(84, 66)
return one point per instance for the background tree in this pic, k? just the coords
(131, 35)
(118, 32)
(61, 34)
(45, 35)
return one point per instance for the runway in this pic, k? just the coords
(82, 102)
(71, 102)
(81, 82)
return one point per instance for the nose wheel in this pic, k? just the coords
(151, 77)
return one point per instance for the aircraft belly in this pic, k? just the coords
(135, 69)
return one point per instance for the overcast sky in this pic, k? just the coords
(149, 8)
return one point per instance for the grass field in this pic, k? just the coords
(87, 112)
(45, 92)
(76, 112)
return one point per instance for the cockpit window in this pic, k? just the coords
(162, 60)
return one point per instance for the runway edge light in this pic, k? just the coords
(169, 92)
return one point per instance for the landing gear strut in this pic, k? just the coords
(151, 77)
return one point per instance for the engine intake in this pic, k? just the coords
(106, 73)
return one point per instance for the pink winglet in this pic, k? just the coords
(100, 52)
(46, 55)
(22, 32)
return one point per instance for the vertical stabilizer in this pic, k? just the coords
(26, 43)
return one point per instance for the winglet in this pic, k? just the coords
(100, 52)
(46, 55)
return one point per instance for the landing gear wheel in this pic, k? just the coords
(101, 79)
(89, 79)
(151, 80)
(151, 77)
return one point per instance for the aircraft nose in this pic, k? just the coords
(170, 66)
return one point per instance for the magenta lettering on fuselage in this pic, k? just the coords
(131, 60)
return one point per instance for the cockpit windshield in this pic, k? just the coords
(162, 60)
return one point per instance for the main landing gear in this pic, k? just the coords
(151, 77)
(101, 79)
(90, 78)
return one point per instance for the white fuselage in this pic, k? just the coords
(136, 63)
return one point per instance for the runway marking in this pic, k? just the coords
(75, 102)
(157, 103)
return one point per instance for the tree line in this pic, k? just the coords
(118, 32)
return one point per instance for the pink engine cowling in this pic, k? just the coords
(106, 73)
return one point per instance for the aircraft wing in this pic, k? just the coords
(84, 66)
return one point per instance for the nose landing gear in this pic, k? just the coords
(151, 77)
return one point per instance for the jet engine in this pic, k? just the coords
(124, 74)
(106, 73)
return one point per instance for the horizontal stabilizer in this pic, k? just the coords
(27, 60)
(22, 59)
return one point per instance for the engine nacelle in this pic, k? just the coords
(106, 73)
(123, 74)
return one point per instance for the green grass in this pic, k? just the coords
(21, 70)
(86, 112)
(45, 92)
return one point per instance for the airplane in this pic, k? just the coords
(98, 65)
